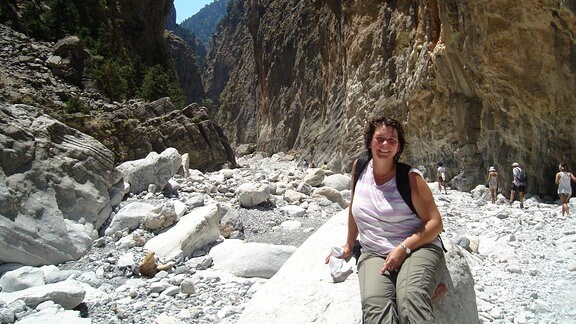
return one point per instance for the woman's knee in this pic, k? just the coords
(379, 310)
(414, 306)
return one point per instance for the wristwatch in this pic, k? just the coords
(407, 249)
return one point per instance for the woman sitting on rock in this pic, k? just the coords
(402, 260)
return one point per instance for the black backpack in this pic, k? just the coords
(521, 175)
(403, 185)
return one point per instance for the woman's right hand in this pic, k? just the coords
(346, 253)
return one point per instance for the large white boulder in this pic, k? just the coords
(195, 230)
(331, 194)
(22, 278)
(314, 177)
(337, 181)
(154, 169)
(54, 183)
(302, 291)
(67, 294)
(251, 194)
(129, 217)
(250, 259)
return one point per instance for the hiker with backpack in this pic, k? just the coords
(518, 183)
(564, 180)
(401, 260)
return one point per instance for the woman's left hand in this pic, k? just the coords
(394, 260)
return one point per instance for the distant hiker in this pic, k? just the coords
(564, 180)
(304, 164)
(325, 166)
(441, 177)
(493, 183)
(401, 260)
(518, 183)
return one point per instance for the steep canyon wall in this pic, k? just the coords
(476, 83)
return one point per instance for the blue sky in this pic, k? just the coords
(187, 8)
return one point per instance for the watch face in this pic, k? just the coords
(407, 249)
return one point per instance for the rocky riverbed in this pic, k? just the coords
(523, 260)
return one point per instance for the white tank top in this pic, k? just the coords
(384, 220)
(564, 185)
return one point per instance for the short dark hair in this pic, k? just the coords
(370, 128)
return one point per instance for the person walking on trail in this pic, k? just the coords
(441, 177)
(401, 260)
(564, 181)
(493, 183)
(518, 183)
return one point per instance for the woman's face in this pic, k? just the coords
(384, 142)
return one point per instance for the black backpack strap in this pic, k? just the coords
(403, 184)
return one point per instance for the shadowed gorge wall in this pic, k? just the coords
(476, 83)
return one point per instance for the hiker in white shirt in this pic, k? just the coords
(564, 180)
(441, 177)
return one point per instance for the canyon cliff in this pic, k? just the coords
(475, 83)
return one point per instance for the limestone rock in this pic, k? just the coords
(186, 67)
(314, 177)
(438, 67)
(296, 294)
(252, 194)
(68, 294)
(55, 315)
(337, 181)
(159, 125)
(331, 194)
(195, 230)
(155, 169)
(71, 61)
(250, 259)
(129, 217)
(22, 278)
(162, 216)
(50, 170)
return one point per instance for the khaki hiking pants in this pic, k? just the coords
(405, 295)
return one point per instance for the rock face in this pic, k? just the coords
(71, 62)
(475, 83)
(130, 129)
(54, 185)
(186, 67)
(141, 128)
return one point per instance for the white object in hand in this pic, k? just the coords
(339, 268)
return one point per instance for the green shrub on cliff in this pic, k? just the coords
(159, 83)
(75, 105)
